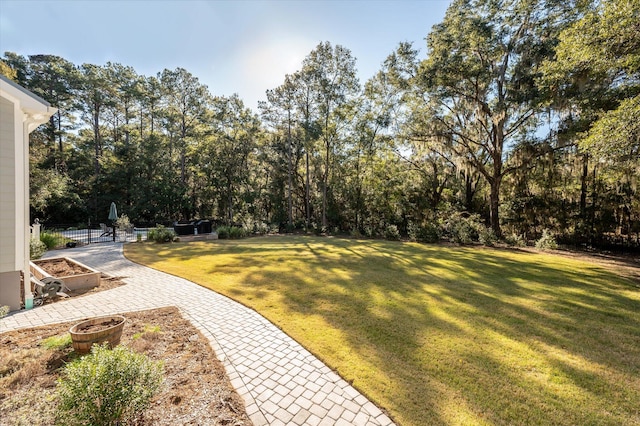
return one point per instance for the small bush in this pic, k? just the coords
(51, 240)
(107, 387)
(4, 310)
(123, 223)
(487, 236)
(36, 248)
(223, 232)
(428, 233)
(161, 234)
(391, 233)
(461, 229)
(236, 232)
(260, 228)
(547, 241)
(515, 240)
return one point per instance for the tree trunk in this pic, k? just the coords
(289, 178)
(307, 192)
(583, 186)
(494, 205)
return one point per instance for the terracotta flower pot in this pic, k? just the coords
(97, 330)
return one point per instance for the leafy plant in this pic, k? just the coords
(161, 234)
(547, 241)
(107, 387)
(231, 232)
(515, 240)
(487, 236)
(223, 232)
(51, 240)
(4, 310)
(462, 229)
(123, 223)
(36, 248)
(391, 233)
(236, 232)
(427, 233)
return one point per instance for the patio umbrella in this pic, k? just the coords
(113, 216)
(113, 212)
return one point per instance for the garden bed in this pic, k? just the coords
(73, 274)
(196, 388)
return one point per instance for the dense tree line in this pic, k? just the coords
(523, 112)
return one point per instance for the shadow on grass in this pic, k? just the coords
(449, 335)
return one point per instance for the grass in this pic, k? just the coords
(436, 334)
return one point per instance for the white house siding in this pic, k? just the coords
(7, 187)
(9, 273)
(20, 113)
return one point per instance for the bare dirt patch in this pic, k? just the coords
(196, 389)
(61, 268)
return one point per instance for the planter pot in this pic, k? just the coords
(97, 330)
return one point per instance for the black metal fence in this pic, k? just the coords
(67, 235)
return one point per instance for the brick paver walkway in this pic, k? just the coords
(280, 381)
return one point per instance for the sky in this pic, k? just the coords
(243, 47)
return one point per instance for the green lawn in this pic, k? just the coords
(437, 334)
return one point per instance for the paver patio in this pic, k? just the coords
(281, 382)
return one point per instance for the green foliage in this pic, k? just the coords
(107, 387)
(427, 233)
(547, 241)
(52, 239)
(236, 232)
(231, 232)
(123, 223)
(36, 248)
(223, 232)
(161, 234)
(515, 240)
(391, 233)
(487, 236)
(4, 310)
(461, 228)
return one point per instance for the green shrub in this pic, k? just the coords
(161, 234)
(223, 232)
(107, 387)
(36, 248)
(355, 233)
(487, 236)
(236, 232)
(462, 229)
(515, 240)
(4, 310)
(260, 228)
(123, 223)
(51, 239)
(547, 241)
(391, 233)
(428, 233)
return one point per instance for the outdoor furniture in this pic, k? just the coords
(184, 228)
(106, 231)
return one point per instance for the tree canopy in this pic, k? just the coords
(523, 114)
